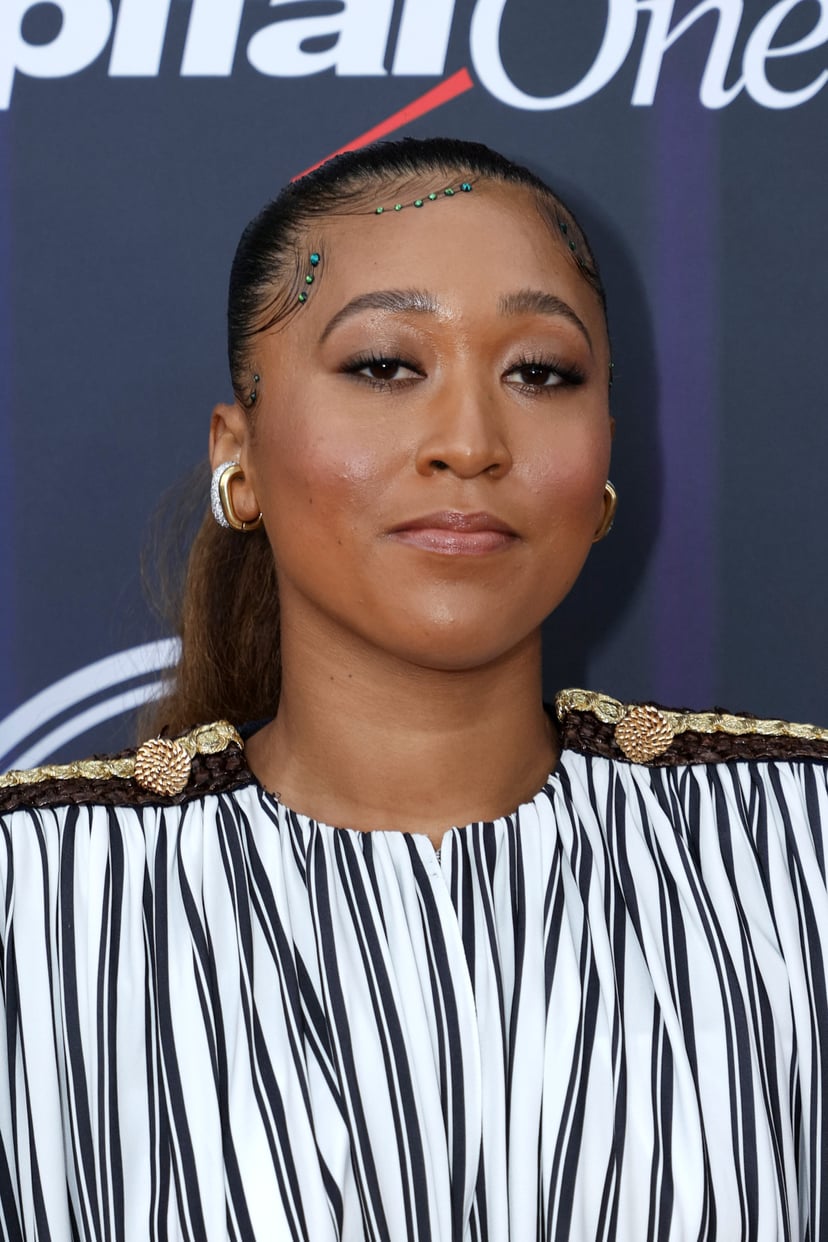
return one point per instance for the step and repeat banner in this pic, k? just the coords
(138, 137)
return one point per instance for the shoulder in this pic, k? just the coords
(163, 771)
(595, 724)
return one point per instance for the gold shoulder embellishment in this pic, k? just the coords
(644, 732)
(160, 765)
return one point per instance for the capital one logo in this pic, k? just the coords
(356, 39)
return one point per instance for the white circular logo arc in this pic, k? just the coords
(29, 737)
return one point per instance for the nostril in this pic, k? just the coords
(440, 465)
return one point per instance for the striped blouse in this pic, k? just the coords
(602, 1017)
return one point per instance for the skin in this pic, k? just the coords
(412, 672)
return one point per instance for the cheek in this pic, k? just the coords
(320, 474)
(567, 481)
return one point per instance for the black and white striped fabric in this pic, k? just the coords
(604, 1017)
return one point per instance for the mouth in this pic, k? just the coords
(456, 534)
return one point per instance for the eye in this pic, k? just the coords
(536, 373)
(382, 371)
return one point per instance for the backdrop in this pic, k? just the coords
(136, 140)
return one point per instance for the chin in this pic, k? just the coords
(461, 647)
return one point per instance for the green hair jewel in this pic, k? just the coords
(313, 260)
(465, 187)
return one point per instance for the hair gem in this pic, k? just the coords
(313, 260)
(465, 187)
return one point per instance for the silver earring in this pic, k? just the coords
(215, 496)
(221, 502)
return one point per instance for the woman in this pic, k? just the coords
(599, 1015)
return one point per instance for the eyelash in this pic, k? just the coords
(355, 365)
(569, 376)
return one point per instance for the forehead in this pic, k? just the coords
(469, 251)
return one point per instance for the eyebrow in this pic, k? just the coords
(398, 300)
(536, 302)
(402, 301)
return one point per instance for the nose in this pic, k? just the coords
(464, 431)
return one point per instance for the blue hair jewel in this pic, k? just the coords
(465, 187)
(313, 260)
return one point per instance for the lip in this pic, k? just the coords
(454, 533)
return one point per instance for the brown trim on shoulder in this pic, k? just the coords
(596, 724)
(217, 765)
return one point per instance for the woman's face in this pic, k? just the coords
(432, 432)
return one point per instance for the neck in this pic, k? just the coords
(364, 740)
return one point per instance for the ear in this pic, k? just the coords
(228, 434)
(230, 441)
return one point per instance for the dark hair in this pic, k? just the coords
(228, 615)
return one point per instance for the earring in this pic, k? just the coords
(221, 501)
(610, 505)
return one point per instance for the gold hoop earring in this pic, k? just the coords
(610, 505)
(221, 501)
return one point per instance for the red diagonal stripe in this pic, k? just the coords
(435, 98)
